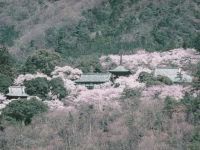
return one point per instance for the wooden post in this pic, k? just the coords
(180, 75)
(120, 59)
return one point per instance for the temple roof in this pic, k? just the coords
(120, 69)
(94, 78)
(17, 91)
(173, 75)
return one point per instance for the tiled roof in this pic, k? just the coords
(173, 75)
(120, 69)
(18, 91)
(94, 78)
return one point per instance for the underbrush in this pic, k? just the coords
(150, 80)
(135, 126)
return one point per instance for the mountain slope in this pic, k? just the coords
(80, 27)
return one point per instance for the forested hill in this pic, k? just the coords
(75, 27)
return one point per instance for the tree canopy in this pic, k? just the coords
(6, 62)
(37, 87)
(57, 88)
(43, 61)
(23, 110)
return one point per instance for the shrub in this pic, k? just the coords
(5, 82)
(131, 93)
(153, 81)
(196, 83)
(165, 80)
(192, 108)
(131, 98)
(148, 79)
(57, 88)
(37, 87)
(23, 110)
(194, 141)
(43, 61)
(169, 106)
(144, 76)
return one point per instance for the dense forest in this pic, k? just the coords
(45, 45)
(74, 28)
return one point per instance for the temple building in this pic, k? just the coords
(120, 70)
(90, 80)
(175, 75)
(16, 92)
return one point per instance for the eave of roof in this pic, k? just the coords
(119, 69)
(17, 95)
(17, 91)
(94, 78)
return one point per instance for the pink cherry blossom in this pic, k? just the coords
(66, 72)
(100, 97)
(162, 91)
(21, 78)
(132, 80)
(179, 57)
(2, 97)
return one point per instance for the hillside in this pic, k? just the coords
(99, 74)
(80, 27)
(125, 115)
(24, 22)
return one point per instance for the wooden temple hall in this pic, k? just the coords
(90, 80)
(120, 70)
(16, 92)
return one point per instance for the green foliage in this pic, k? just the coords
(37, 87)
(196, 42)
(6, 63)
(105, 28)
(197, 71)
(7, 71)
(163, 38)
(88, 63)
(109, 27)
(193, 142)
(62, 41)
(41, 87)
(192, 105)
(196, 83)
(148, 79)
(43, 61)
(165, 80)
(131, 93)
(5, 82)
(5, 57)
(7, 35)
(144, 76)
(57, 88)
(169, 106)
(131, 98)
(23, 110)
